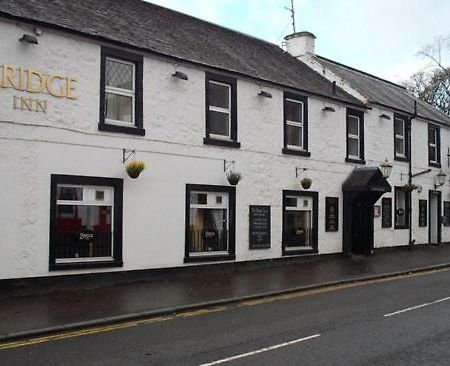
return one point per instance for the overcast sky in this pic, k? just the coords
(381, 37)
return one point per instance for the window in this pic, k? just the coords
(210, 223)
(86, 222)
(434, 146)
(300, 219)
(355, 136)
(121, 96)
(295, 125)
(401, 140)
(221, 111)
(402, 199)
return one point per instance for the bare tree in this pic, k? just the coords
(433, 84)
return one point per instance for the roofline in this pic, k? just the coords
(361, 72)
(150, 51)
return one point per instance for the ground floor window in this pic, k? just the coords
(300, 218)
(86, 222)
(210, 222)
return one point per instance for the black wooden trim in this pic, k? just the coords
(386, 201)
(436, 164)
(304, 100)
(288, 151)
(407, 129)
(360, 115)
(231, 228)
(407, 208)
(217, 142)
(439, 195)
(315, 197)
(117, 225)
(138, 60)
(232, 82)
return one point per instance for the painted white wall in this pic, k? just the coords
(66, 140)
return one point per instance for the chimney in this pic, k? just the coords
(300, 44)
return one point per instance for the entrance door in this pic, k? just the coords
(435, 217)
(362, 227)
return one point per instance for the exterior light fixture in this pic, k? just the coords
(29, 38)
(440, 179)
(232, 176)
(386, 168)
(385, 116)
(328, 109)
(180, 75)
(265, 94)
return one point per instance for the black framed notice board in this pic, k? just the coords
(423, 207)
(259, 228)
(331, 214)
(386, 212)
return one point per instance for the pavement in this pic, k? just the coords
(29, 308)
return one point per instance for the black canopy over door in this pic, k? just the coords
(361, 190)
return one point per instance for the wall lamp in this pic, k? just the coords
(386, 168)
(180, 75)
(29, 38)
(265, 94)
(440, 179)
(328, 109)
(385, 116)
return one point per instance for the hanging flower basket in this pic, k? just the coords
(306, 183)
(135, 168)
(234, 177)
(409, 187)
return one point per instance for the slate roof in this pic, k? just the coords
(366, 179)
(156, 29)
(382, 92)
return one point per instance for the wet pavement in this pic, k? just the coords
(35, 308)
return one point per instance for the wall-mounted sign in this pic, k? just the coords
(446, 219)
(331, 214)
(259, 228)
(423, 216)
(386, 212)
(35, 82)
(377, 211)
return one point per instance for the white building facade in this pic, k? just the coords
(76, 110)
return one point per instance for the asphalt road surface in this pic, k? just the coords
(405, 321)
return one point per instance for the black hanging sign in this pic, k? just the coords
(259, 227)
(331, 214)
(386, 212)
(423, 213)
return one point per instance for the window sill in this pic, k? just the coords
(434, 165)
(121, 129)
(287, 253)
(401, 227)
(84, 265)
(288, 151)
(209, 258)
(398, 158)
(225, 143)
(355, 161)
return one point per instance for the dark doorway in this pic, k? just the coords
(361, 190)
(434, 217)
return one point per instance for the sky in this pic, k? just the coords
(381, 37)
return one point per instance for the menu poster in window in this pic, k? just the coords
(423, 213)
(386, 212)
(259, 235)
(331, 214)
(446, 221)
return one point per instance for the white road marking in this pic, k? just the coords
(260, 350)
(417, 307)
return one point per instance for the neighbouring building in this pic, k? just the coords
(88, 87)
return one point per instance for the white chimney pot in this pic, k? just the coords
(300, 44)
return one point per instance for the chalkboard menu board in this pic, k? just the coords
(446, 221)
(423, 217)
(259, 227)
(386, 212)
(331, 214)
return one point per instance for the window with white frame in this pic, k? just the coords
(219, 110)
(84, 222)
(294, 112)
(400, 138)
(434, 146)
(210, 222)
(355, 136)
(402, 199)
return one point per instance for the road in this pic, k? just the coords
(402, 321)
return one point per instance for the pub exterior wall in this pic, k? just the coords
(66, 140)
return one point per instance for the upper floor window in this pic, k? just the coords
(121, 92)
(295, 125)
(434, 146)
(401, 143)
(355, 136)
(221, 111)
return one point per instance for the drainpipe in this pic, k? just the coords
(410, 175)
